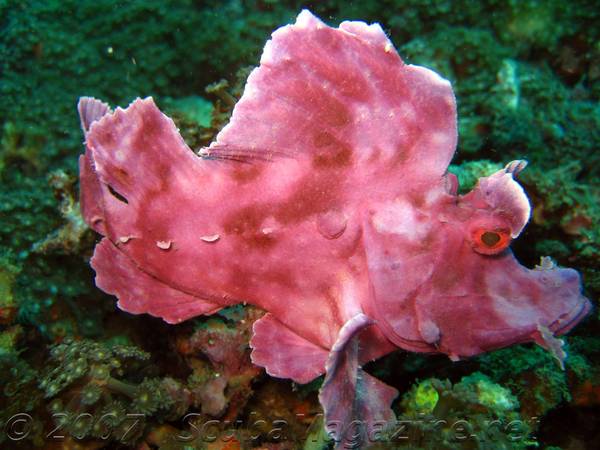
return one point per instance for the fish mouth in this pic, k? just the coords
(567, 321)
(560, 326)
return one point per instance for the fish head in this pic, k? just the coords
(452, 284)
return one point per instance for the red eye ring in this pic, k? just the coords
(490, 242)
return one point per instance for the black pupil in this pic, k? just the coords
(490, 238)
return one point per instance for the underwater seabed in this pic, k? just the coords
(77, 372)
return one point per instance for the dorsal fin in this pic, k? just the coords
(90, 110)
(342, 98)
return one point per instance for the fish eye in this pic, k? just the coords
(490, 241)
(490, 238)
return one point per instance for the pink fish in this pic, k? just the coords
(326, 202)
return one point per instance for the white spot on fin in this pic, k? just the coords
(164, 245)
(210, 238)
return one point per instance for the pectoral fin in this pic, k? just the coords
(356, 404)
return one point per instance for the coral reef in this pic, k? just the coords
(473, 413)
(219, 356)
(96, 397)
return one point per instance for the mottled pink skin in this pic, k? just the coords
(456, 300)
(324, 199)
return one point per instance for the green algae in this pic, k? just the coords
(473, 413)
(470, 171)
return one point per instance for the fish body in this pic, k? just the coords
(326, 202)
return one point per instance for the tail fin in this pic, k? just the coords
(141, 188)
